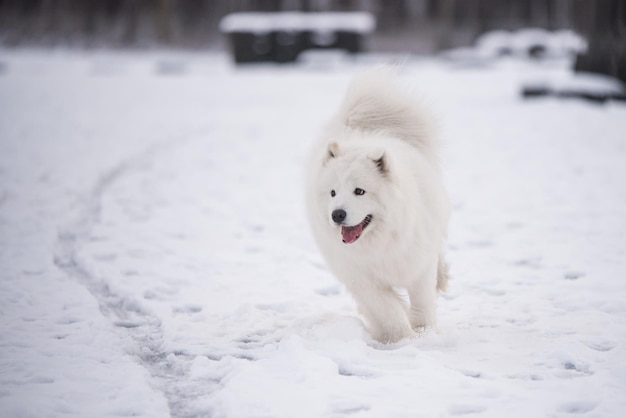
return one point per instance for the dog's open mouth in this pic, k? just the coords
(352, 233)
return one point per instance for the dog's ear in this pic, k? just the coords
(333, 149)
(379, 158)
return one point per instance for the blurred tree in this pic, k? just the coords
(164, 21)
(604, 24)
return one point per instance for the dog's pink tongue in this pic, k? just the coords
(351, 233)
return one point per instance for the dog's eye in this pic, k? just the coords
(332, 193)
(359, 192)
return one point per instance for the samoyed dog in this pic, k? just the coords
(378, 208)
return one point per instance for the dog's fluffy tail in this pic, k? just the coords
(375, 103)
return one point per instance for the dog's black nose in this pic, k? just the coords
(339, 215)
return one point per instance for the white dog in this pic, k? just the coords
(378, 208)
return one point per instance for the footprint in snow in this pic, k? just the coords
(345, 408)
(279, 307)
(471, 373)
(573, 275)
(188, 309)
(575, 369)
(128, 324)
(464, 409)
(529, 262)
(526, 376)
(105, 257)
(601, 345)
(577, 407)
(329, 291)
(349, 370)
(68, 320)
(257, 339)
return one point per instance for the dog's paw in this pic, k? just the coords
(392, 334)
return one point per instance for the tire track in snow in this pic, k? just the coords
(169, 370)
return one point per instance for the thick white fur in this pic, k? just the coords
(402, 247)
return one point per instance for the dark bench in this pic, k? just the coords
(280, 37)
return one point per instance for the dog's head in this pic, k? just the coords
(353, 182)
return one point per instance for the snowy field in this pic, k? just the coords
(155, 258)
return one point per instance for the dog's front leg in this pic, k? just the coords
(385, 312)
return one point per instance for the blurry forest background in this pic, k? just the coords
(405, 26)
(417, 26)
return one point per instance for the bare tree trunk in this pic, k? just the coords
(446, 24)
(130, 22)
(604, 24)
(164, 21)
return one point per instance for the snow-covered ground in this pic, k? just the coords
(155, 258)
